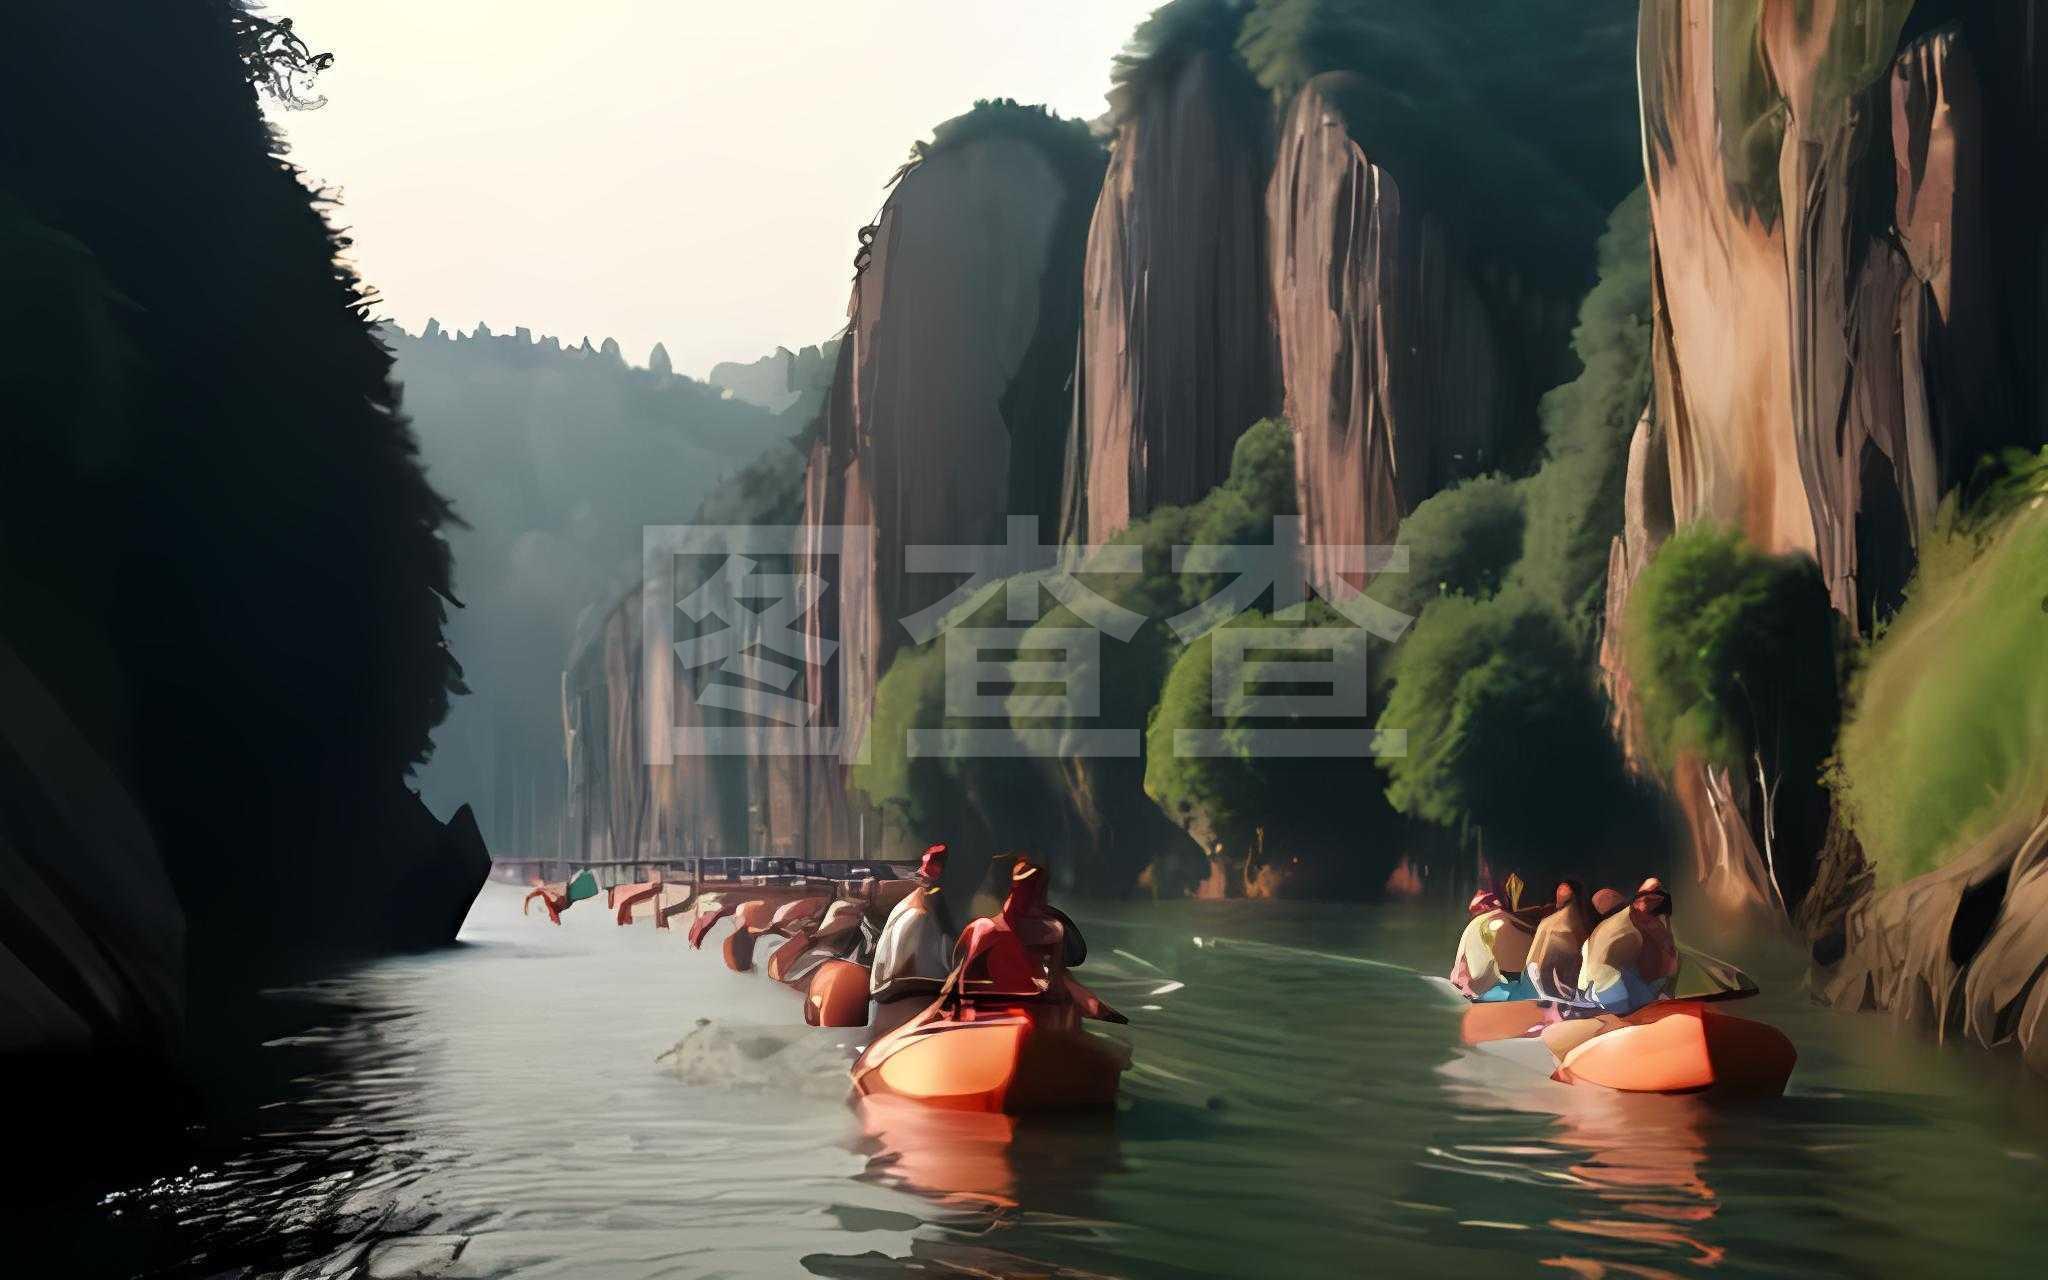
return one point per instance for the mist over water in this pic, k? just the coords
(1299, 1104)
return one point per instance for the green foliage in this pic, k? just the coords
(1462, 541)
(1948, 732)
(275, 58)
(1057, 793)
(1175, 33)
(1730, 650)
(1238, 512)
(1237, 785)
(912, 695)
(1068, 140)
(1575, 499)
(1515, 119)
(1504, 730)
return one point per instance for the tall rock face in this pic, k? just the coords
(1395, 380)
(1176, 356)
(1847, 300)
(947, 411)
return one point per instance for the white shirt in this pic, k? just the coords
(913, 945)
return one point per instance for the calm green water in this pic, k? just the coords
(1300, 1107)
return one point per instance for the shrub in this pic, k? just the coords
(1948, 732)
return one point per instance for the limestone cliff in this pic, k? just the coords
(1176, 353)
(947, 410)
(1395, 380)
(1835, 296)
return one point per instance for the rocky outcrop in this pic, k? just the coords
(1959, 951)
(1395, 383)
(1176, 355)
(1829, 302)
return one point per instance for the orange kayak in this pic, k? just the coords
(1684, 1046)
(1016, 1057)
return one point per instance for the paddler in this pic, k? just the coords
(1559, 945)
(914, 953)
(1026, 948)
(1631, 957)
(1495, 947)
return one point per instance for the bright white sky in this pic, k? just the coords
(684, 171)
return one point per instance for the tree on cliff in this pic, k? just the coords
(1060, 794)
(1508, 577)
(1465, 540)
(1506, 734)
(1733, 655)
(1574, 500)
(211, 493)
(1208, 764)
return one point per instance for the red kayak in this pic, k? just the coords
(1680, 1045)
(1683, 1046)
(1009, 1055)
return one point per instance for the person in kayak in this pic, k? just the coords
(1631, 957)
(914, 952)
(1494, 949)
(1558, 947)
(1026, 949)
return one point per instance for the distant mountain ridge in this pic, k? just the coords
(777, 381)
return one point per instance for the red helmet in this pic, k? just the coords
(932, 867)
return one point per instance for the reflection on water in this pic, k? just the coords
(595, 1101)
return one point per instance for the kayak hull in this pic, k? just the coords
(837, 995)
(1684, 1046)
(1012, 1062)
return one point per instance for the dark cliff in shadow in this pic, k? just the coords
(224, 574)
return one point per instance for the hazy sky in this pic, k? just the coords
(688, 171)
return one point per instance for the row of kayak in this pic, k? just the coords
(969, 1046)
(962, 1045)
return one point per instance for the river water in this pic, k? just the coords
(1299, 1106)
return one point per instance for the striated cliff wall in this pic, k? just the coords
(1176, 351)
(947, 409)
(1394, 378)
(1834, 289)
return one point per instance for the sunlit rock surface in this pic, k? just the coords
(1176, 356)
(1830, 304)
(1392, 377)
